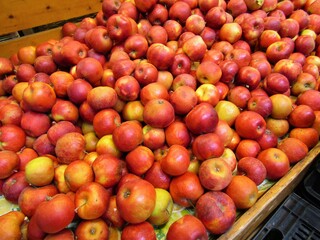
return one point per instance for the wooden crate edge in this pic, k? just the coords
(253, 217)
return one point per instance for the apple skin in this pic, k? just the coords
(70, 147)
(176, 161)
(95, 228)
(31, 197)
(55, 214)
(203, 118)
(216, 210)
(158, 113)
(163, 208)
(187, 227)
(160, 56)
(143, 230)
(253, 168)
(215, 174)
(9, 163)
(14, 185)
(39, 96)
(112, 215)
(186, 189)
(208, 145)
(294, 148)
(66, 234)
(91, 200)
(276, 162)
(11, 224)
(136, 200)
(157, 177)
(260, 104)
(250, 124)
(243, 191)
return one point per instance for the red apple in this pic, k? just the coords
(250, 124)
(216, 210)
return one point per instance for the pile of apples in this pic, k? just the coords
(153, 105)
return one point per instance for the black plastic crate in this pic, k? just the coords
(295, 219)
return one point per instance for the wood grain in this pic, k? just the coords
(18, 15)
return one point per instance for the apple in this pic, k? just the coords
(304, 82)
(157, 177)
(250, 124)
(137, 231)
(27, 54)
(307, 135)
(92, 228)
(184, 79)
(186, 189)
(154, 90)
(216, 210)
(276, 162)
(26, 155)
(281, 106)
(194, 48)
(173, 28)
(311, 98)
(269, 138)
(139, 160)
(64, 110)
(183, 100)
(39, 97)
(188, 227)
(203, 118)
(214, 174)
(177, 133)
(102, 97)
(89, 69)
(280, 127)
(289, 68)
(31, 197)
(107, 170)
(260, 104)
(45, 64)
(163, 208)
(78, 173)
(180, 11)
(6, 66)
(70, 147)
(195, 23)
(263, 66)
(247, 148)
(91, 200)
(58, 129)
(55, 214)
(34, 123)
(302, 116)
(253, 168)
(64, 233)
(278, 50)
(243, 191)
(294, 148)
(112, 215)
(158, 15)
(153, 138)
(15, 116)
(181, 64)
(209, 36)
(208, 72)
(42, 145)
(213, 147)
(241, 56)
(14, 185)
(136, 200)
(236, 7)
(40, 176)
(60, 81)
(275, 83)
(158, 113)
(11, 223)
(71, 52)
(160, 56)
(289, 27)
(145, 73)
(176, 161)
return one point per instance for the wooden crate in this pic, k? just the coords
(250, 221)
(19, 15)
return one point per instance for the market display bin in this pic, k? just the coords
(25, 15)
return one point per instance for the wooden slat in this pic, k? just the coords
(18, 15)
(7, 48)
(253, 217)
